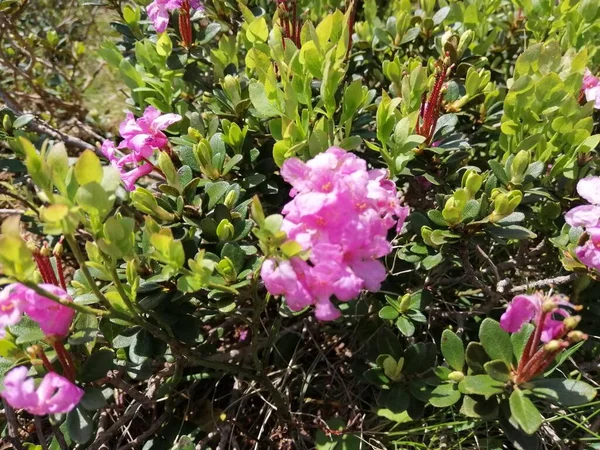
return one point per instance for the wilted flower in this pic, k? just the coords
(588, 216)
(158, 11)
(340, 213)
(55, 394)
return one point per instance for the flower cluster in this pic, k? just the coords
(591, 88)
(588, 216)
(554, 329)
(55, 394)
(142, 137)
(340, 214)
(54, 319)
(536, 308)
(158, 11)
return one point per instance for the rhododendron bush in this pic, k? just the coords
(299, 224)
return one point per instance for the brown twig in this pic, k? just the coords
(40, 432)
(13, 426)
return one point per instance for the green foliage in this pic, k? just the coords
(175, 330)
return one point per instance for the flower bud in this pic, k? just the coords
(34, 351)
(6, 122)
(404, 303)
(426, 235)
(519, 166)
(230, 199)
(571, 323)
(58, 248)
(225, 230)
(456, 376)
(464, 42)
(549, 305)
(45, 250)
(514, 199)
(553, 346)
(472, 182)
(576, 336)
(231, 86)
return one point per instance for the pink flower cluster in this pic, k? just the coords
(591, 88)
(55, 394)
(588, 216)
(54, 319)
(546, 313)
(341, 213)
(158, 11)
(141, 137)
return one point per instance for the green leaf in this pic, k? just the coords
(524, 412)
(496, 341)
(498, 170)
(388, 313)
(445, 395)
(498, 370)
(520, 338)
(396, 399)
(481, 385)
(92, 399)
(453, 350)
(80, 425)
(260, 101)
(164, 46)
(88, 168)
(479, 407)
(97, 365)
(94, 200)
(564, 392)
(406, 326)
(23, 120)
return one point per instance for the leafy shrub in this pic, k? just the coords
(412, 174)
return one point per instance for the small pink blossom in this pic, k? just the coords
(55, 394)
(526, 308)
(588, 216)
(340, 213)
(144, 135)
(158, 11)
(591, 88)
(54, 319)
(11, 307)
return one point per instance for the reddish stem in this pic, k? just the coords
(61, 273)
(46, 361)
(185, 24)
(539, 326)
(65, 360)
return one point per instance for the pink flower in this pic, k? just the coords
(142, 136)
(526, 308)
(54, 319)
(55, 394)
(591, 88)
(588, 216)
(131, 177)
(11, 307)
(145, 134)
(589, 253)
(341, 213)
(158, 11)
